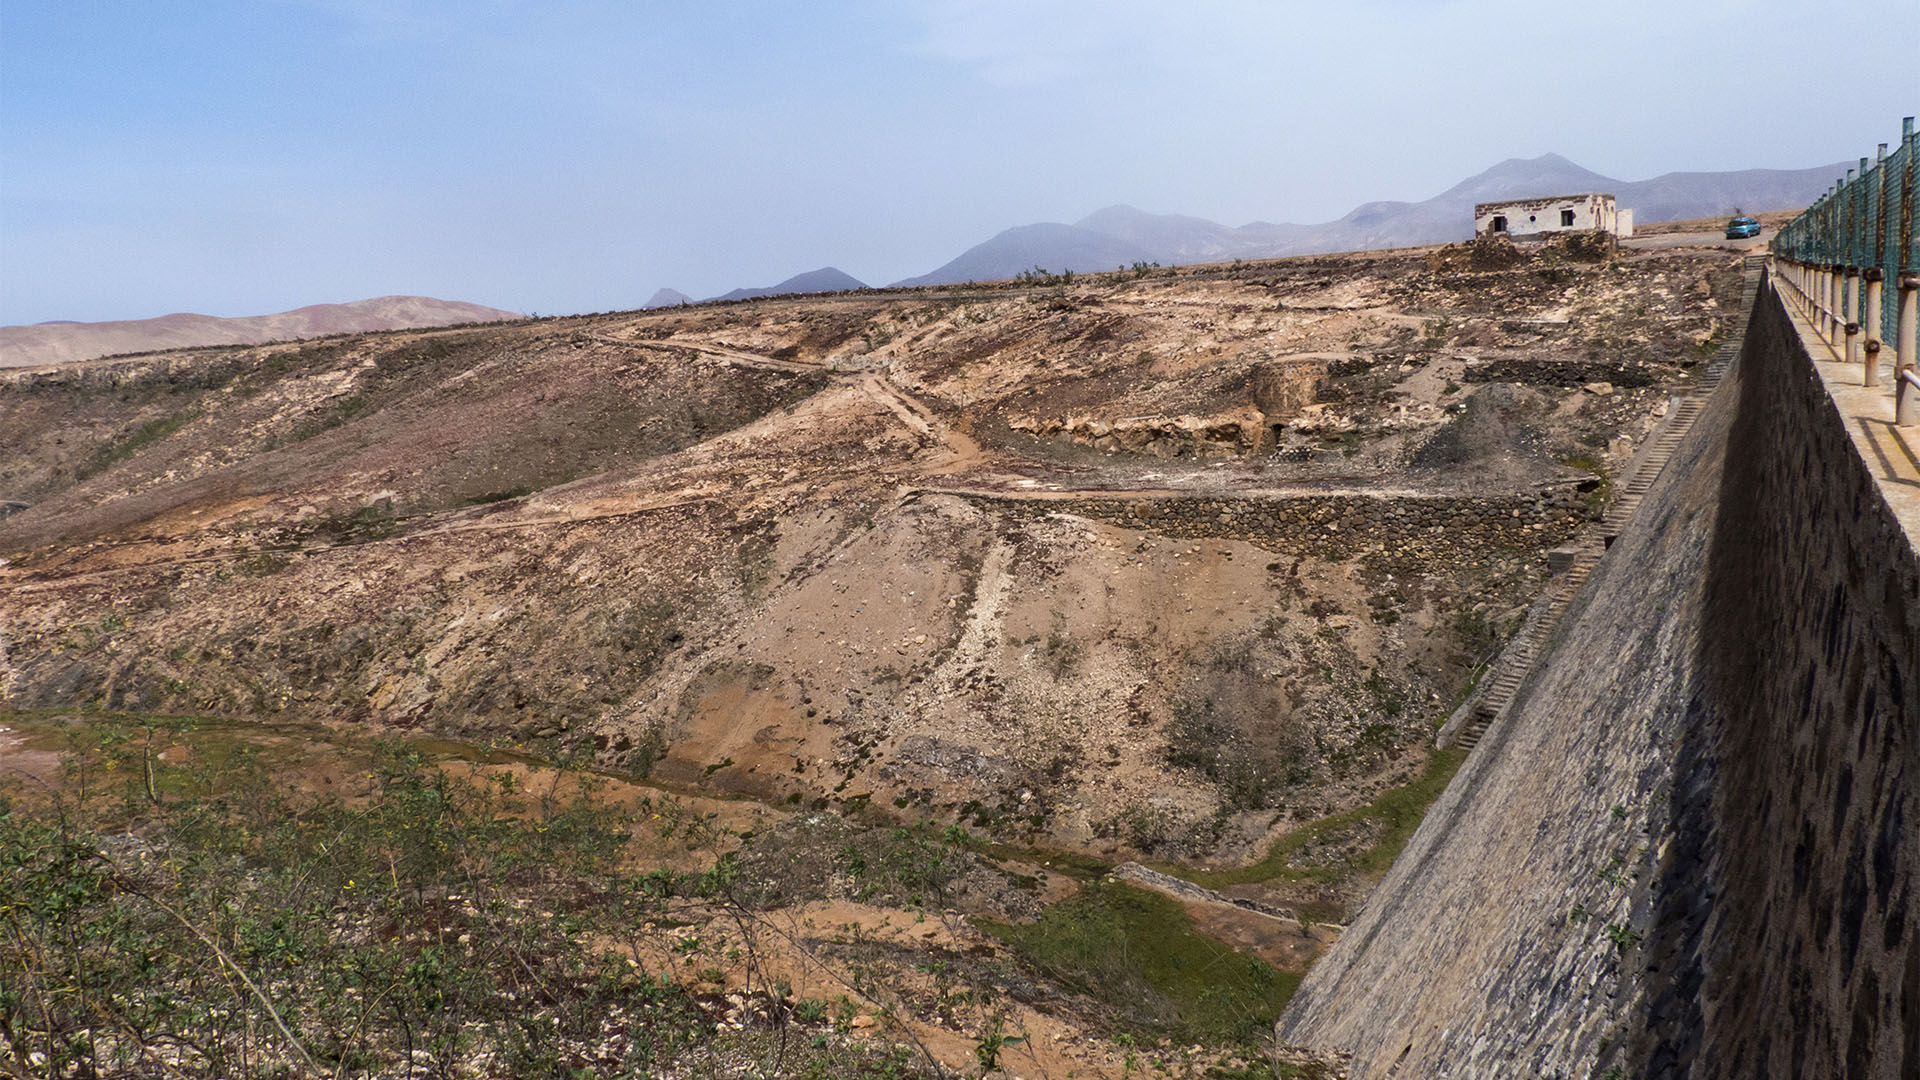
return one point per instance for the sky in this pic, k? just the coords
(557, 156)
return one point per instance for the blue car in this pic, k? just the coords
(1741, 228)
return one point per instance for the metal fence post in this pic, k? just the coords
(1828, 304)
(1837, 314)
(1850, 313)
(1870, 314)
(1830, 310)
(1909, 314)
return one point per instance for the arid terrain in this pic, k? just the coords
(1178, 566)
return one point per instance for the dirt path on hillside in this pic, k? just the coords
(960, 452)
(744, 359)
(911, 411)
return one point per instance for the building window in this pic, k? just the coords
(1499, 223)
(1566, 219)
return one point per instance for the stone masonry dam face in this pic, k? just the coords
(1690, 847)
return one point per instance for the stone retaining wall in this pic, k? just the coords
(1135, 874)
(1401, 528)
(1531, 372)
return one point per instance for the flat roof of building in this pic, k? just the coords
(1543, 198)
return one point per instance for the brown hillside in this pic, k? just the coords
(66, 342)
(1158, 564)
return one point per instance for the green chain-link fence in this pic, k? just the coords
(1866, 220)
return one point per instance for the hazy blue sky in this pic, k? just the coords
(245, 157)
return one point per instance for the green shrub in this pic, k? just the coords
(205, 916)
(323, 419)
(646, 632)
(1396, 813)
(1206, 738)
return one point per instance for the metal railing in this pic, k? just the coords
(1839, 258)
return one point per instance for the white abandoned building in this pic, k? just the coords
(1523, 218)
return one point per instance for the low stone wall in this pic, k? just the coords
(1416, 528)
(1135, 874)
(1225, 434)
(1687, 850)
(1530, 372)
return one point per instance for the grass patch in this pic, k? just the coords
(646, 632)
(415, 918)
(1068, 863)
(1397, 812)
(264, 564)
(202, 916)
(173, 903)
(332, 415)
(1595, 500)
(141, 437)
(1138, 952)
(754, 557)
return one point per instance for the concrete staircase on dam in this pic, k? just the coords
(1492, 700)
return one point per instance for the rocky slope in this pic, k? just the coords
(1162, 564)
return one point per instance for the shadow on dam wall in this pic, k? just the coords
(1690, 848)
(1800, 826)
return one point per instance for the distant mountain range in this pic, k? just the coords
(62, 342)
(1114, 237)
(1121, 235)
(825, 279)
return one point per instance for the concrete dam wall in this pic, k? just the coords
(1690, 847)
